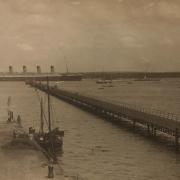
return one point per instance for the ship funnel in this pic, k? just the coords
(10, 69)
(24, 69)
(38, 69)
(52, 69)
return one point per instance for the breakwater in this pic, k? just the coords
(165, 123)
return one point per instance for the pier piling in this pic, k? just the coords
(134, 124)
(50, 169)
(148, 128)
(177, 139)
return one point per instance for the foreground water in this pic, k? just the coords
(94, 148)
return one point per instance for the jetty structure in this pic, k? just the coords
(153, 121)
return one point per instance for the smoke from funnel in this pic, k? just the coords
(38, 69)
(10, 69)
(24, 69)
(146, 64)
(52, 69)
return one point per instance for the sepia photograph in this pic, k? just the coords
(90, 89)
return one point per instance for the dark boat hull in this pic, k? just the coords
(52, 142)
(52, 146)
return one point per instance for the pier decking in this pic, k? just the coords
(165, 123)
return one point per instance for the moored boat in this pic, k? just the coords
(101, 81)
(52, 139)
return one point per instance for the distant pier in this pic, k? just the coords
(166, 123)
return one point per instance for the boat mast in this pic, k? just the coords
(67, 70)
(10, 112)
(42, 119)
(49, 110)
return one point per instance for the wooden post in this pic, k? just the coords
(134, 124)
(148, 128)
(154, 132)
(152, 129)
(50, 169)
(12, 115)
(176, 139)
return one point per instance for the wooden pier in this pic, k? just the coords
(154, 121)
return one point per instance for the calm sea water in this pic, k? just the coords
(94, 148)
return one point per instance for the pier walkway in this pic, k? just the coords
(165, 123)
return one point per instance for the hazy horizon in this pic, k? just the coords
(96, 35)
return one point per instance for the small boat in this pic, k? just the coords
(101, 81)
(110, 85)
(129, 82)
(100, 88)
(51, 140)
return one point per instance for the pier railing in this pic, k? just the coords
(153, 111)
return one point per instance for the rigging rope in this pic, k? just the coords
(39, 100)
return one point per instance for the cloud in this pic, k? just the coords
(162, 9)
(76, 3)
(120, 1)
(169, 9)
(29, 6)
(90, 31)
(130, 41)
(39, 20)
(25, 47)
(167, 41)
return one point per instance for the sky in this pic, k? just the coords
(90, 35)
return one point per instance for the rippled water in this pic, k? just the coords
(162, 95)
(94, 148)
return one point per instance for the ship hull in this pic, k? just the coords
(52, 142)
(42, 77)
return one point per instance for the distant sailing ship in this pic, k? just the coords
(52, 140)
(9, 111)
(145, 78)
(70, 76)
(147, 74)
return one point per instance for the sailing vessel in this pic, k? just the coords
(52, 140)
(9, 111)
(105, 79)
(145, 78)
